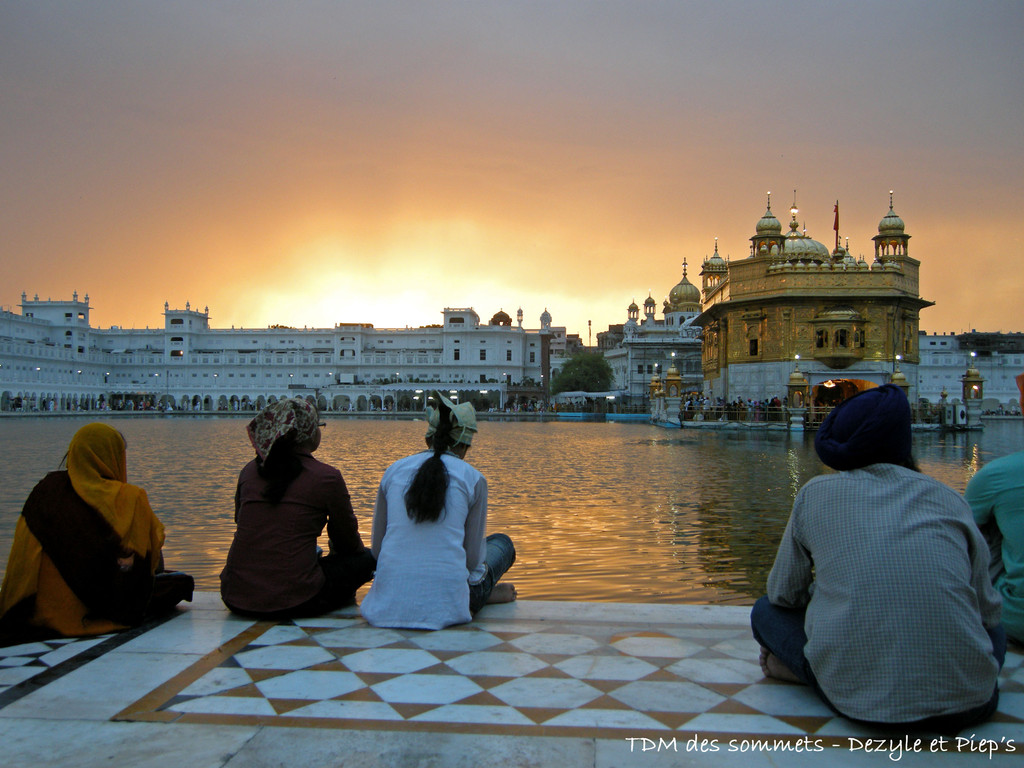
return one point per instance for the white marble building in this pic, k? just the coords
(998, 357)
(51, 358)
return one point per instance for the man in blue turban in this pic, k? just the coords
(880, 597)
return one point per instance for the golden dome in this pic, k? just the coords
(768, 224)
(684, 296)
(799, 247)
(891, 224)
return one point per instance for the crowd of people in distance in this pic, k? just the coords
(892, 596)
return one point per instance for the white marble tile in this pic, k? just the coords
(606, 718)
(29, 743)
(606, 667)
(25, 649)
(218, 680)
(711, 722)
(329, 622)
(16, 661)
(545, 692)
(310, 684)
(10, 676)
(780, 699)
(455, 640)
(739, 647)
(190, 632)
(488, 663)
(1012, 704)
(70, 650)
(657, 647)
(280, 633)
(554, 642)
(284, 657)
(1001, 733)
(206, 601)
(225, 705)
(474, 713)
(667, 697)
(359, 637)
(500, 625)
(717, 670)
(347, 710)
(426, 689)
(102, 688)
(1016, 675)
(707, 636)
(391, 660)
(277, 747)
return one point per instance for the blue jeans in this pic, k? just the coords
(781, 631)
(498, 559)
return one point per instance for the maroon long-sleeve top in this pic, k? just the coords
(272, 564)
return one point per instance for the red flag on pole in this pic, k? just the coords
(835, 226)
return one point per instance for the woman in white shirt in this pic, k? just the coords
(435, 564)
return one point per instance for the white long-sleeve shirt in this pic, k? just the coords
(424, 569)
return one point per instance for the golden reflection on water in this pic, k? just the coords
(608, 512)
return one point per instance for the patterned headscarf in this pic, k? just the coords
(293, 415)
(463, 418)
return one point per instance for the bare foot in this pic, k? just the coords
(503, 592)
(772, 667)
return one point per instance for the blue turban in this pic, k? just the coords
(871, 427)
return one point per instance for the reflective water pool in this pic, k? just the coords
(606, 512)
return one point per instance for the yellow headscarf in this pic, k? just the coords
(98, 471)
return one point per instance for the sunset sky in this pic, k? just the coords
(309, 163)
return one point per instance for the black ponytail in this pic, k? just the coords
(281, 466)
(424, 501)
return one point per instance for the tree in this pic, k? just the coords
(585, 371)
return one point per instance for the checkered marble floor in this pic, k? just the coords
(529, 669)
(31, 665)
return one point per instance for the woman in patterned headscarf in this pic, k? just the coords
(284, 499)
(86, 554)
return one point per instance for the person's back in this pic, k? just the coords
(435, 564)
(996, 496)
(894, 628)
(272, 564)
(87, 552)
(430, 589)
(283, 500)
(879, 596)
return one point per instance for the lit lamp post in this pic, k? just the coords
(798, 391)
(899, 379)
(973, 388)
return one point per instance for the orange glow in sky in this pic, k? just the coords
(312, 163)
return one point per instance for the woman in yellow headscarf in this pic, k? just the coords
(86, 555)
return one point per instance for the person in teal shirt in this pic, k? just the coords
(996, 496)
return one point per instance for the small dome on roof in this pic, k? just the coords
(891, 224)
(715, 263)
(799, 247)
(684, 296)
(501, 318)
(768, 224)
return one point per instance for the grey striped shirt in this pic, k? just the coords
(894, 574)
